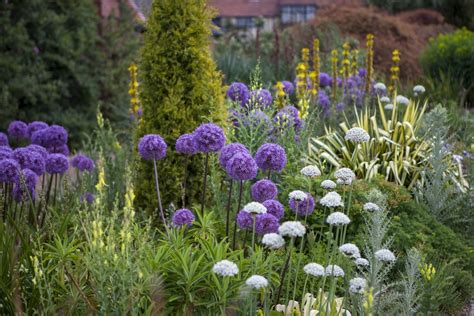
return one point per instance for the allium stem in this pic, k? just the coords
(204, 181)
(283, 271)
(238, 209)
(162, 214)
(183, 194)
(228, 209)
(254, 219)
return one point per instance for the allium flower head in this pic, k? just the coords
(228, 151)
(35, 126)
(292, 229)
(257, 282)
(225, 268)
(400, 99)
(263, 190)
(350, 250)
(209, 137)
(3, 139)
(361, 262)
(388, 106)
(238, 92)
(82, 163)
(185, 144)
(258, 118)
(244, 220)
(255, 208)
(314, 269)
(297, 195)
(53, 136)
(288, 117)
(57, 163)
(385, 99)
(62, 149)
(288, 87)
(152, 147)
(183, 217)
(379, 87)
(273, 241)
(39, 149)
(18, 130)
(25, 185)
(302, 207)
(331, 199)
(371, 207)
(29, 159)
(271, 157)
(266, 224)
(345, 174)
(357, 135)
(311, 171)
(261, 98)
(418, 89)
(334, 271)
(384, 255)
(87, 197)
(328, 185)
(338, 218)
(5, 153)
(324, 80)
(357, 285)
(9, 170)
(275, 208)
(242, 166)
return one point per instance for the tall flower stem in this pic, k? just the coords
(160, 205)
(254, 219)
(283, 271)
(300, 255)
(304, 288)
(204, 183)
(238, 208)
(228, 209)
(184, 184)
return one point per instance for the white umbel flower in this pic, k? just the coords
(331, 199)
(314, 269)
(292, 229)
(362, 262)
(255, 208)
(225, 268)
(402, 100)
(273, 241)
(311, 171)
(385, 99)
(334, 270)
(328, 185)
(380, 87)
(298, 195)
(345, 174)
(384, 255)
(257, 282)
(338, 218)
(371, 207)
(357, 285)
(357, 135)
(388, 107)
(418, 89)
(350, 250)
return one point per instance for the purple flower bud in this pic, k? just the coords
(304, 207)
(275, 208)
(244, 220)
(271, 157)
(242, 166)
(185, 144)
(18, 130)
(36, 126)
(183, 217)
(3, 139)
(152, 146)
(57, 163)
(209, 137)
(9, 170)
(228, 151)
(82, 163)
(266, 224)
(264, 190)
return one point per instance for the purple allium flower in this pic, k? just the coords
(55, 136)
(9, 169)
(266, 224)
(209, 137)
(340, 106)
(29, 159)
(263, 190)
(87, 197)
(30, 179)
(238, 92)
(18, 130)
(183, 217)
(271, 157)
(185, 144)
(62, 149)
(257, 118)
(39, 149)
(261, 98)
(228, 151)
(36, 126)
(275, 208)
(324, 80)
(152, 146)
(40, 137)
(288, 117)
(324, 102)
(57, 163)
(362, 72)
(241, 166)
(244, 220)
(304, 207)
(288, 87)
(3, 139)
(82, 163)
(5, 152)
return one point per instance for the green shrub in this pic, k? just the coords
(180, 88)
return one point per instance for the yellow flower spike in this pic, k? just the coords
(354, 62)
(133, 90)
(369, 301)
(334, 74)
(369, 62)
(394, 73)
(316, 67)
(280, 93)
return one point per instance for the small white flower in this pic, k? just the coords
(344, 181)
(257, 282)
(345, 174)
(418, 89)
(384, 255)
(357, 135)
(298, 195)
(338, 218)
(225, 268)
(314, 269)
(371, 207)
(331, 199)
(350, 250)
(362, 262)
(328, 185)
(357, 285)
(255, 208)
(402, 100)
(292, 229)
(388, 107)
(385, 99)
(311, 171)
(379, 86)
(334, 270)
(458, 158)
(273, 241)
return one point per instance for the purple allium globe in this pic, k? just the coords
(36, 126)
(62, 149)
(263, 190)
(55, 136)
(228, 151)
(209, 137)
(82, 163)
(261, 98)
(3, 139)
(288, 87)
(241, 167)
(18, 130)
(257, 118)
(57, 163)
(39, 149)
(152, 147)
(185, 144)
(275, 208)
(27, 180)
(362, 72)
(87, 197)
(9, 170)
(324, 80)
(29, 159)
(244, 220)
(40, 137)
(183, 217)
(238, 92)
(288, 117)
(304, 207)
(271, 157)
(266, 224)
(323, 101)
(5, 152)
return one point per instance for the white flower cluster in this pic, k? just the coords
(292, 229)
(418, 89)
(273, 241)
(371, 207)
(334, 270)
(385, 99)
(311, 171)
(384, 255)
(345, 174)
(328, 185)
(297, 195)
(225, 268)
(344, 181)
(350, 250)
(388, 107)
(379, 86)
(362, 262)
(338, 218)
(402, 100)
(314, 269)
(357, 135)
(257, 281)
(357, 285)
(331, 199)
(255, 208)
